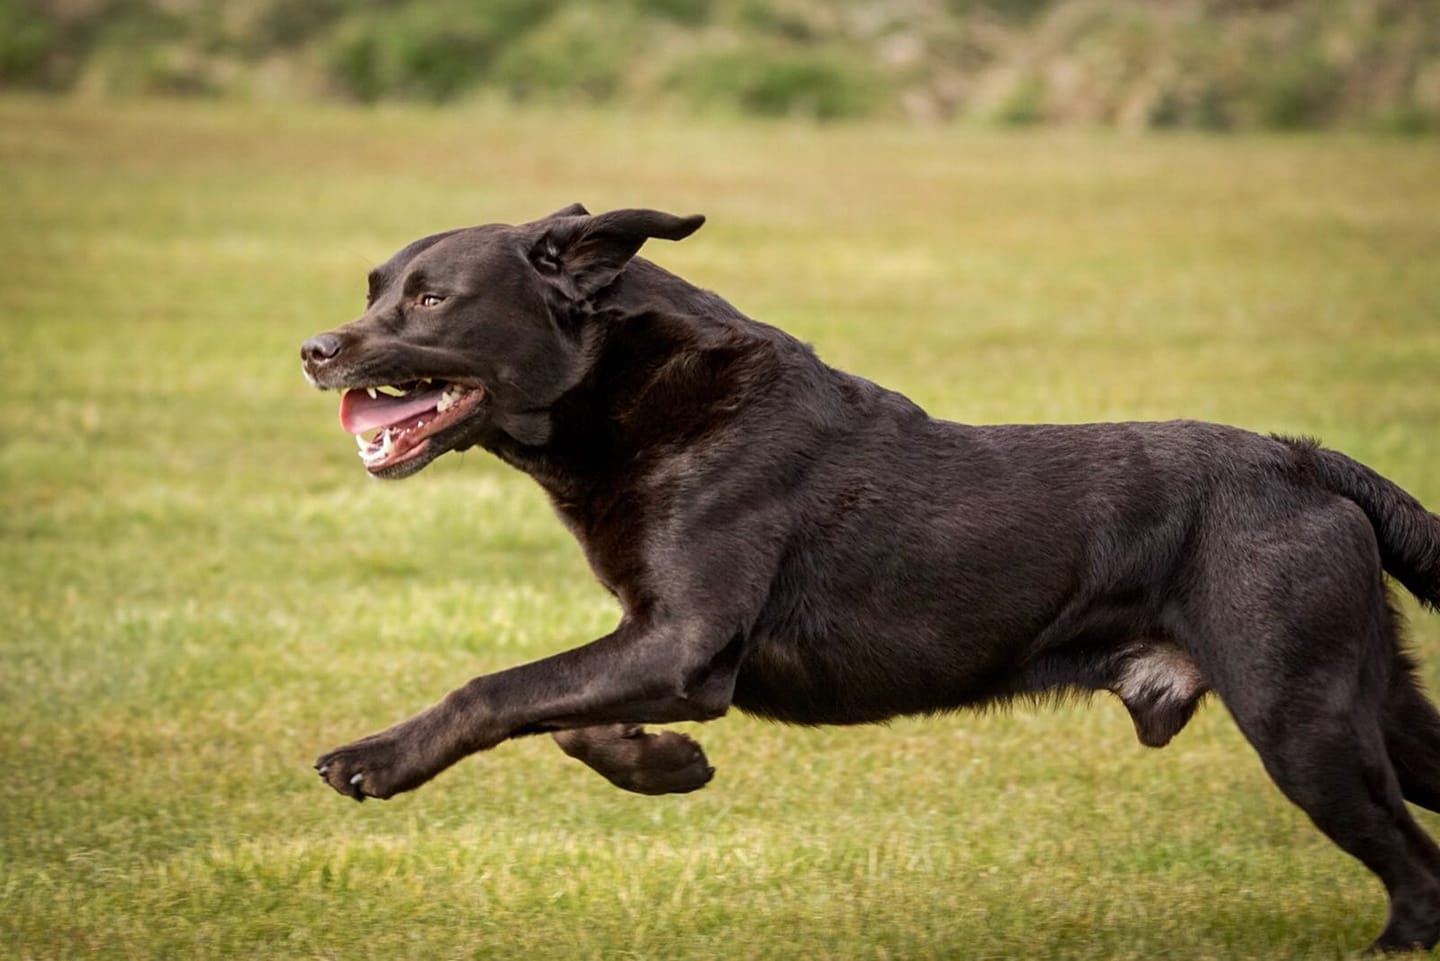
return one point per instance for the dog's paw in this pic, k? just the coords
(668, 762)
(378, 766)
(629, 757)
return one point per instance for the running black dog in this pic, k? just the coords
(804, 545)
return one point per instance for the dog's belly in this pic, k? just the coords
(847, 680)
(841, 682)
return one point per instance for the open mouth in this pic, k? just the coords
(403, 418)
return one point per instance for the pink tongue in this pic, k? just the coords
(360, 412)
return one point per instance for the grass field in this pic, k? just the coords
(202, 590)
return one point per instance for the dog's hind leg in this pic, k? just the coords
(629, 757)
(1302, 653)
(1412, 737)
(1326, 752)
(1332, 763)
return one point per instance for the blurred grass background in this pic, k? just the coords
(202, 590)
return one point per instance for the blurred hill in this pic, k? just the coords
(1211, 64)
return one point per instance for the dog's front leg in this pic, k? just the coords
(639, 674)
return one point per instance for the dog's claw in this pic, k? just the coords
(379, 766)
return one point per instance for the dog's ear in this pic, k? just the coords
(574, 210)
(583, 255)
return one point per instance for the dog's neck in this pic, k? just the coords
(659, 357)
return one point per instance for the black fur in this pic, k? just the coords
(797, 542)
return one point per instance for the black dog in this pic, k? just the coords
(804, 545)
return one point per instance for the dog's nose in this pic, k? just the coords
(320, 348)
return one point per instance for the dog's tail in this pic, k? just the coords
(1408, 534)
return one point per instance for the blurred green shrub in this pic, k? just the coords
(1024, 104)
(27, 40)
(581, 53)
(1408, 118)
(1297, 92)
(691, 13)
(771, 82)
(428, 51)
(1019, 10)
(1206, 64)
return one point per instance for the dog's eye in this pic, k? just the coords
(431, 300)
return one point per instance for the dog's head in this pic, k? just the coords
(471, 331)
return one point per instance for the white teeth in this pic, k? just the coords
(371, 392)
(448, 398)
(377, 449)
(368, 451)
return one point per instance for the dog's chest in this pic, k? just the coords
(786, 679)
(610, 549)
(823, 679)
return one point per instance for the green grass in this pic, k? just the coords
(202, 591)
